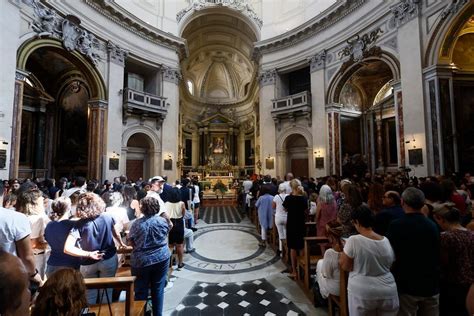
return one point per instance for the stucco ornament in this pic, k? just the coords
(358, 46)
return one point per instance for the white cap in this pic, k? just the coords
(159, 178)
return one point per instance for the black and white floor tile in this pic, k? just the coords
(257, 297)
(220, 214)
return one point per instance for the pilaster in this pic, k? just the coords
(96, 125)
(267, 125)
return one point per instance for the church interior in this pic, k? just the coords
(226, 102)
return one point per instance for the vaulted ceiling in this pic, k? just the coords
(219, 65)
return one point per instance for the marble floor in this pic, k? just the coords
(229, 274)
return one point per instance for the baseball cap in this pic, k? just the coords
(157, 178)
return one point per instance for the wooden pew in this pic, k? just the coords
(131, 307)
(309, 258)
(341, 300)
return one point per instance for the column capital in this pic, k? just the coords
(267, 77)
(171, 74)
(98, 104)
(317, 61)
(405, 11)
(116, 54)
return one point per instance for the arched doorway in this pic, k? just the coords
(139, 161)
(449, 84)
(61, 121)
(364, 123)
(296, 147)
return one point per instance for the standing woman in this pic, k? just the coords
(265, 213)
(326, 209)
(56, 233)
(296, 205)
(130, 201)
(196, 201)
(95, 233)
(368, 257)
(176, 210)
(150, 255)
(280, 215)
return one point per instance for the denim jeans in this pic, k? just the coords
(51, 269)
(101, 269)
(151, 277)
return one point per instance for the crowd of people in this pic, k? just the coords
(57, 234)
(407, 243)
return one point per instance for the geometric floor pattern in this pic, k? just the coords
(220, 214)
(256, 297)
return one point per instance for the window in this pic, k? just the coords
(190, 86)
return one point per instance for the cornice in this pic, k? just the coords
(322, 21)
(134, 24)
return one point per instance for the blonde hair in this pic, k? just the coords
(90, 205)
(296, 186)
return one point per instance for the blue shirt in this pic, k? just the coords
(150, 246)
(56, 234)
(96, 234)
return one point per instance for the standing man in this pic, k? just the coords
(391, 211)
(246, 186)
(415, 241)
(156, 188)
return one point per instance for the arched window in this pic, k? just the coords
(190, 86)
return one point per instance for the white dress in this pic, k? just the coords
(327, 273)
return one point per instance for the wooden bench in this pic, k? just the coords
(309, 258)
(341, 300)
(131, 307)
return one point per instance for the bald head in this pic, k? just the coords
(14, 292)
(391, 198)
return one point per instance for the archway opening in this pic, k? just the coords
(297, 161)
(367, 117)
(139, 150)
(54, 119)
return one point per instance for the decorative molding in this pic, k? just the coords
(359, 45)
(116, 54)
(453, 8)
(405, 10)
(239, 5)
(317, 62)
(98, 104)
(20, 75)
(171, 75)
(135, 25)
(267, 77)
(308, 29)
(48, 23)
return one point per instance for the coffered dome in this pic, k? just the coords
(219, 69)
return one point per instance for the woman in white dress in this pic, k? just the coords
(327, 270)
(368, 257)
(280, 216)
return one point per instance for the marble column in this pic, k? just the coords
(169, 139)
(16, 126)
(267, 125)
(318, 116)
(115, 86)
(411, 62)
(96, 125)
(398, 102)
(241, 148)
(334, 142)
(380, 164)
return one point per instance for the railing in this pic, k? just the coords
(290, 102)
(134, 99)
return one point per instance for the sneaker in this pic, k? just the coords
(168, 286)
(190, 250)
(194, 229)
(180, 266)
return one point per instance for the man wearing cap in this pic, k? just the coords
(156, 184)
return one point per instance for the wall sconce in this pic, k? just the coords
(114, 161)
(413, 141)
(317, 153)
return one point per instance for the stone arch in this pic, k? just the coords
(148, 131)
(443, 39)
(282, 138)
(96, 82)
(345, 73)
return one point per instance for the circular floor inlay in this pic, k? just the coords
(226, 245)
